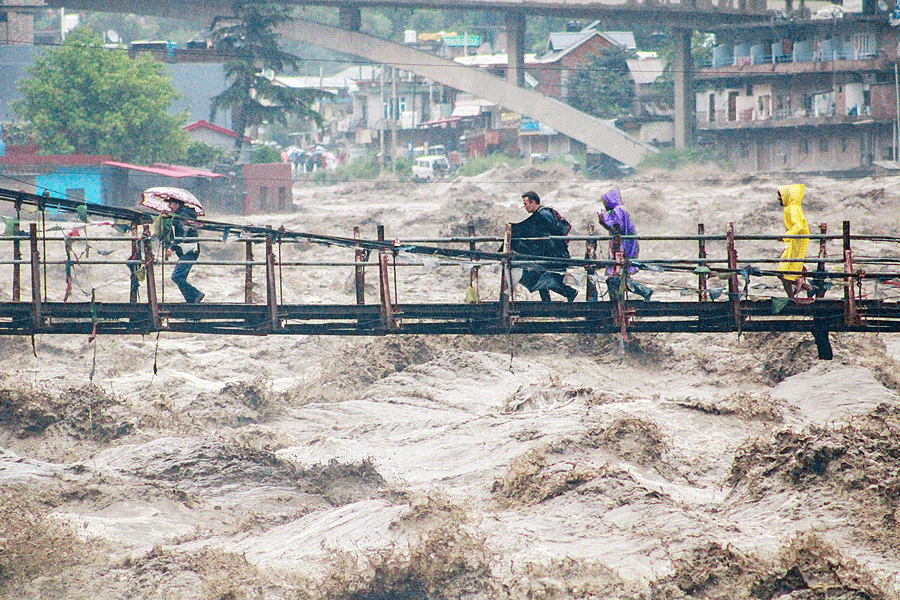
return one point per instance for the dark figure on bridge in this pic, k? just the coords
(137, 268)
(184, 230)
(617, 222)
(790, 196)
(542, 223)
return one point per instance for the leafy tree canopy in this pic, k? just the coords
(82, 98)
(602, 87)
(251, 43)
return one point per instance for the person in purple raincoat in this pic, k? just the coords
(616, 221)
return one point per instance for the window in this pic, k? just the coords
(781, 149)
(844, 144)
(783, 107)
(803, 146)
(823, 144)
(764, 108)
(263, 198)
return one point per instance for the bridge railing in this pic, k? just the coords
(45, 261)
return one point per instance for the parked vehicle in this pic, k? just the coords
(429, 168)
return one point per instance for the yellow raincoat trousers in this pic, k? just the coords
(794, 224)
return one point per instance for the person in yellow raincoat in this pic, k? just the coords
(790, 197)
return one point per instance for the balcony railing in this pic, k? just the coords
(720, 118)
(778, 59)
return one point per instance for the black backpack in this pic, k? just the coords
(560, 227)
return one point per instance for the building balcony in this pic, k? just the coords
(782, 118)
(786, 64)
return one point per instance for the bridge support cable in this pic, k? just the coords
(388, 321)
(17, 255)
(702, 295)
(506, 283)
(734, 290)
(248, 272)
(590, 254)
(274, 320)
(820, 326)
(851, 313)
(36, 318)
(360, 257)
(475, 295)
(152, 300)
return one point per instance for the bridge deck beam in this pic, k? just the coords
(17, 318)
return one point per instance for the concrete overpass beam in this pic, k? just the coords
(592, 132)
(350, 17)
(682, 69)
(515, 48)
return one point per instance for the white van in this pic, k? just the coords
(428, 168)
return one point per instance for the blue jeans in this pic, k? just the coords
(180, 275)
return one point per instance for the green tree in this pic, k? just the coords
(252, 46)
(602, 87)
(82, 98)
(202, 155)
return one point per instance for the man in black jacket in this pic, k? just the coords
(542, 223)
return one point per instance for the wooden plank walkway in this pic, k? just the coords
(485, 318)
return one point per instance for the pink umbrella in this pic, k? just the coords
(158, 199)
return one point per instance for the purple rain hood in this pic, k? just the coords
(616, 215)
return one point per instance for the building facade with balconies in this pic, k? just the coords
(812, 95)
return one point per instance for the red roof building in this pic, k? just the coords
(218, 137)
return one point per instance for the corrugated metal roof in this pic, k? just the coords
(175, 171)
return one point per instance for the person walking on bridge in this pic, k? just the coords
(791, 266)
(617, 222)
(543, 222)
(183, 232)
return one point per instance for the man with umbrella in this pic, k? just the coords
(183, 208)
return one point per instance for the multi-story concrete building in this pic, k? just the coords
(811, 95)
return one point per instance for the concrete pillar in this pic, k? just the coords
(349, 17)
(515, 48)
(685, 109)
